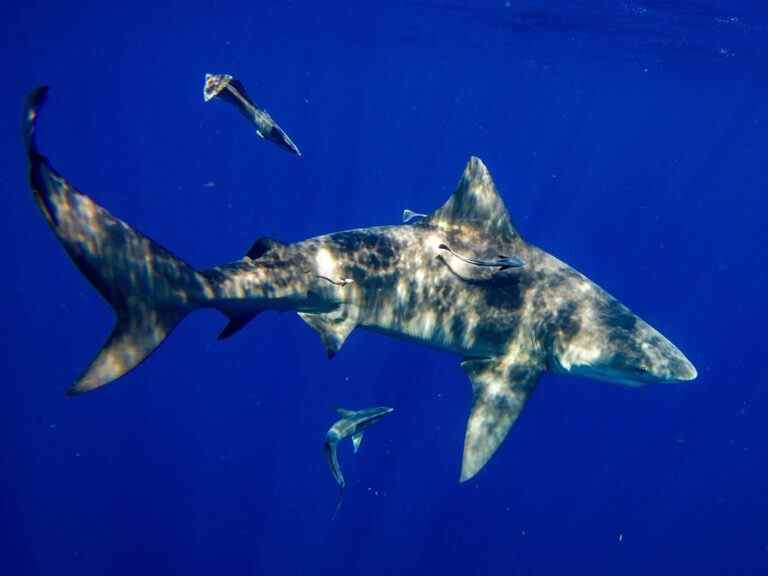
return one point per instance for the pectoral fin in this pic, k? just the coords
(500, 391)
(356, 439)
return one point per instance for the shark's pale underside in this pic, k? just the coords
(508, 326)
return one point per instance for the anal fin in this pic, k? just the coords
(237, 323)
(500, 391)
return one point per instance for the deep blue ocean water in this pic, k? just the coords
(627, 137)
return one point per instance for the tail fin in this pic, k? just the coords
(149, 288)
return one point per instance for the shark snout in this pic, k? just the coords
(632, 354)
(661, 361)
(683, 369)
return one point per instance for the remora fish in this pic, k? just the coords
(351, 425)
(500, 262)
(411, 217)
(509, 329)
(231, 90)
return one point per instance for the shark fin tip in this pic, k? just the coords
(73, 391)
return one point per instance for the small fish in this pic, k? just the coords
(502, 262)
(351, 425)
(411, 217)
(338, 282)
(230, 89)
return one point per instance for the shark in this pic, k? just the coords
(230, 89)
(352, 424)
(508, 327)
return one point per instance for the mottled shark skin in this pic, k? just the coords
(508, 326)
(231, 90)
(351, 425)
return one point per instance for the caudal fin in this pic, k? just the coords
(149, 288)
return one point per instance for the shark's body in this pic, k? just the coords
(351, 425)
(230, 90)
(509, 326)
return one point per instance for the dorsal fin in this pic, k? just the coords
(261, 246)
(344, 413)
(477, 203)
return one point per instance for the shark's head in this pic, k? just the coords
(601, 338)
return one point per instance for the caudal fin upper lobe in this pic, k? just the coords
(149, 288)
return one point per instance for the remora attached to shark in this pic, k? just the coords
(352, 424)
(509, 327)
(231, 90)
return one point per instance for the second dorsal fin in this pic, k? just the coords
(261, 246)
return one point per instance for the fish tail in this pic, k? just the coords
(339, 502)
(149, 288)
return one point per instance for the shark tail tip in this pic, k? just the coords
(36, 99)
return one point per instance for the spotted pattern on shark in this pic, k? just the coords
(509, 327)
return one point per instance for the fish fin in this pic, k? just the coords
(281, 138)
(477, 203)
(344, 413)
(237, 85)
(331, 457)
(261, 246)
(356, 440)
(339, 502)
(500, 391)
(149, 288)
(237, 323)
(333, 327)
(411, 217)
(214, 84)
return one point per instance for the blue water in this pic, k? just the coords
(628, 138)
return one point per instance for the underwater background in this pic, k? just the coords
(627, 138)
